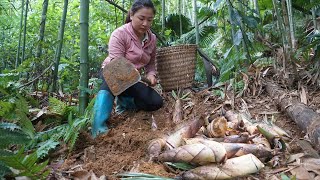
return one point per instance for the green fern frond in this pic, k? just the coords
(8, 137)
(25, 122)
(57, 106)
(73, 130)
(5, 108)
(4, 170)
(44, 147)
(10, 126)
(4, 152)
(55, 133)
(26, 164)
(21, 104)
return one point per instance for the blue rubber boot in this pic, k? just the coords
(125, 103)
(102, 110)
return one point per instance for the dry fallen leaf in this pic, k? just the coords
(301, 173)
(303, 96)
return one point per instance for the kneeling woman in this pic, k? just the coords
(137, 43)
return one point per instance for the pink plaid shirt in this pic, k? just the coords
(125, 43)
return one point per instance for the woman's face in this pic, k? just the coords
(142, 20)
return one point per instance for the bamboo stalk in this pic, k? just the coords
(306, 118)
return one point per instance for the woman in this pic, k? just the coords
(137, 43)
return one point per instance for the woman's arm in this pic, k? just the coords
(117, 45)
(150, 67)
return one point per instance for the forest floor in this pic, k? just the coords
(124, 147)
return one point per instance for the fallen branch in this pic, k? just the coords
(306, 118)
(28, 83)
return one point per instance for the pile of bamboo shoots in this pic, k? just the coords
(226, 147)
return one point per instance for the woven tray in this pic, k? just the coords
(176, 66)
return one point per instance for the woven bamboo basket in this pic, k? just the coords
(176, 66)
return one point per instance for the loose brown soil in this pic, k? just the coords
(123, 148)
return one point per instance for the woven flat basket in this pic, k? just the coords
(176, 66)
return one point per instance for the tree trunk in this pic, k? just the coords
(20, 31)
(196, 21)
(256, 8)
(291, 24)
(286, 21)
(25, 31)
(282, 31)
(163, 15)
(59, 46)
(232, 23)
(180, 19)
(123, 14)
(307, 119)
(42, 27)
(84, 77)
(314, 17)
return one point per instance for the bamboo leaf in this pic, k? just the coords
(10, 126)
(182, 166)
(218, 4)
(141, 176)
(226, 54)
(237, 38)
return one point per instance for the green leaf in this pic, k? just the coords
(182, 166)
(141, 176)
(29, 160)
(4, 170)
(225, 75)
(226, 54)
(44, 147)
(284, 177)
(5, 107)
(237, 38)
(10, 126)
(218, 4)
(250, 21)
(26, 164)
(8, 137)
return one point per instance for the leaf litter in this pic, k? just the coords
(125, 147)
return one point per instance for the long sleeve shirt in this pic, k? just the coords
(125, 43)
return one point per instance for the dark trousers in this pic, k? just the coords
(145, 98)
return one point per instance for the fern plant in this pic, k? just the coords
(25, 165)
(12, 137)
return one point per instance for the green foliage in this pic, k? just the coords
(173, 21)
(285, 177)
(181, 166)
(140, 176)
(44, 148)
(57, 106)
(26, 165)
(12, 137)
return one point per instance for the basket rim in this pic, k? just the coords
(178, 46)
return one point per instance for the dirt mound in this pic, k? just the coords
(124, 147)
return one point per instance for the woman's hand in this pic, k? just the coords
(152, 79)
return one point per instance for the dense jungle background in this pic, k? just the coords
(257, 60)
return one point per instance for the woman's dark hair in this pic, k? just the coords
(138, 4)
